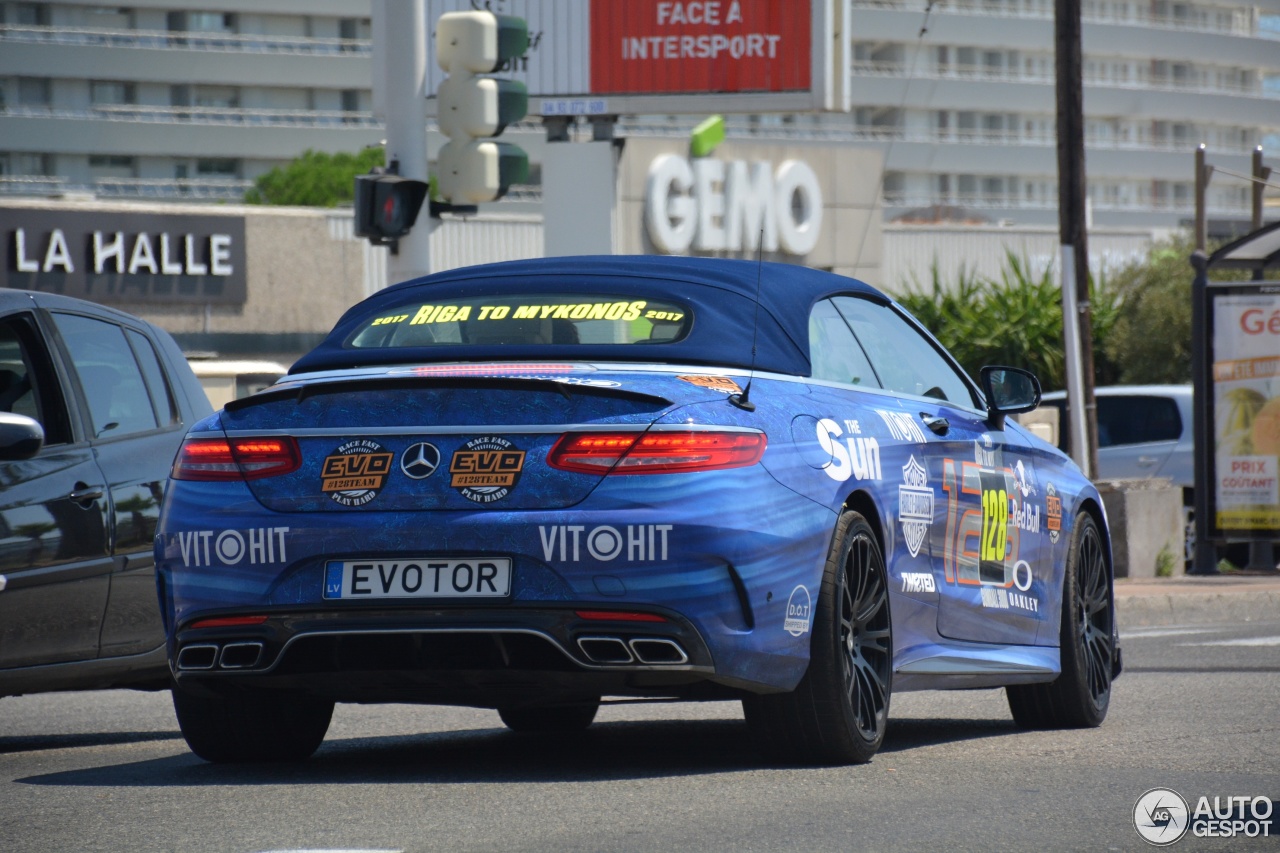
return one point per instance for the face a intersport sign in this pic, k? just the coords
(114, 257)
(596, 57)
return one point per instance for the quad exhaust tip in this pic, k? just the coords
(239, 655)
(658, 650)
(198, 657)
(207, 656)
(605, 650)
(614, 651)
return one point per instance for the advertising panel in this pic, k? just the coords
(1246, 409)
(117, 257)
(647, 46)
(607, 57)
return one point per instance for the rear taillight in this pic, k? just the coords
(656, 452)
(236, 458)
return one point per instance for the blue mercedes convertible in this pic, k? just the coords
(530, 485)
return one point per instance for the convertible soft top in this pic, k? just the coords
(720, 295)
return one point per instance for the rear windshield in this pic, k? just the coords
(524, 320)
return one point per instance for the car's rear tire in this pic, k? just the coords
(839, 711)
(251, 727)
(1080, 696)
(553, 719)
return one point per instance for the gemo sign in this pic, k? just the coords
(711, 205)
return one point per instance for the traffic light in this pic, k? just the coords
(471, 110)
(387, 206)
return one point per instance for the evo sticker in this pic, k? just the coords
(799, 609)
(486, 469)
(714, 383)
(1053, 512)
(354, 473)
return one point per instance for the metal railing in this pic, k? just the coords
(983, 74)
(854, 132)
(36, 185)
(185, 40)
(193, 189)
(255, 116)
(1244, 23)
(1016, 202)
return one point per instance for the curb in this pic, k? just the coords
(1179, 602)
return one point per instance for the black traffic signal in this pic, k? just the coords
(386, 206)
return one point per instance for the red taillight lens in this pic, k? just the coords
(659, 452)
(228, 621)
(236, 459)
(618, 616)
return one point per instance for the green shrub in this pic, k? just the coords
(315, 179)
(1016, 320)
(1150, 342)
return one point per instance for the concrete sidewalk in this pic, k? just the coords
(1197, 599)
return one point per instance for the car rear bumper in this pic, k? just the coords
(447, 656)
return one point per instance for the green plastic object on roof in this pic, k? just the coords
(706, 136)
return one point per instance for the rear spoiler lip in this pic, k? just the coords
(301, 391)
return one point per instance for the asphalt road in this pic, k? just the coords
(1198, 711)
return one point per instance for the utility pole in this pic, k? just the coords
(1077, 322)
(399, 74)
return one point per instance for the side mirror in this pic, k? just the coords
(1009, 390)
(20, 437)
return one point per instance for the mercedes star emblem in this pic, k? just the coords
(420, 461)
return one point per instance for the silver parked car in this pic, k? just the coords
(1143, 431)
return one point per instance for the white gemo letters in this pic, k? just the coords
(712, 205)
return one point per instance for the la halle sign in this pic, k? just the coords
(115, 257)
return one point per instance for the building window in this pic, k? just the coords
(32, 15)
(34, 91)
(26, 163)
(111, 166)
(217, 168)
(227, 97)
(111, 92)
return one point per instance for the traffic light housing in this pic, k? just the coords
(387, 206)
(471, 167)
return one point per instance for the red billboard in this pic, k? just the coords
(699, 46)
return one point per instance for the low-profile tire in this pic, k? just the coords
(839, 711)
(251, 727)
(1080, 696)
(554, 719)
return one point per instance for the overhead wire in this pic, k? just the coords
(901, 118)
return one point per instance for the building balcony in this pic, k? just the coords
(996, 202)
(191, 189)
(1243, 23)
(201, 115)
(983, 74)
(190, 41)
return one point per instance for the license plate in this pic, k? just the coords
(419, 577)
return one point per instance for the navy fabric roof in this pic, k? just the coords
(720, 292)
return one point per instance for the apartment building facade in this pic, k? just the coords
(172, 99)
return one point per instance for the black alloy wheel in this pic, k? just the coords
(840, 710)
(1081, 695)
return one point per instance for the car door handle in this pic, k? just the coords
(939, 425)
(1147, 461)
(84, 495)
